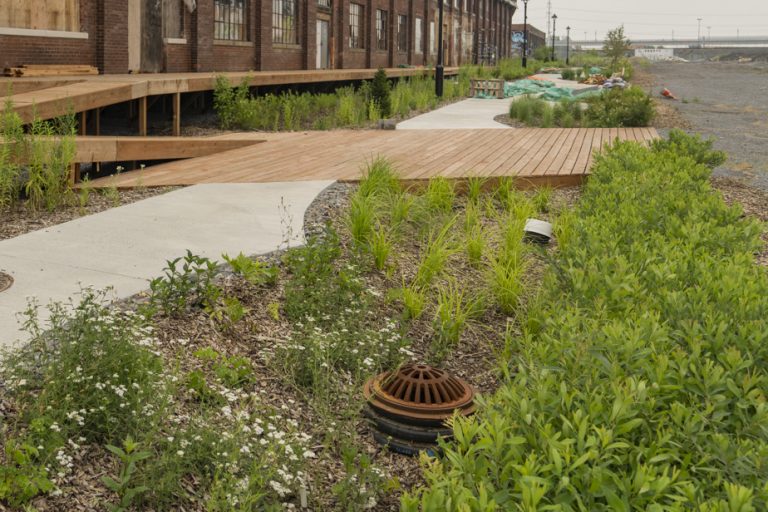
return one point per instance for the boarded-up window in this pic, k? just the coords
(41, 14)
(418, 37)
(173, 19)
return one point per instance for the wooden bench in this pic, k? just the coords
(492, 87)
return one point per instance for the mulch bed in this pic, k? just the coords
(20, 220)
(475, 360)
(753, 201)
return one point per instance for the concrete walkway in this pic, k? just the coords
(470, 114)
(474, 113)
(127, 246)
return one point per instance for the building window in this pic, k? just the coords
(356, 26)
(63, 15)
(173, 19)
(418, 36)
(402, 33)
(285, 21)
(381, 29)
(230, 20)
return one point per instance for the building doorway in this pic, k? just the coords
(323, 46)
(145, 36)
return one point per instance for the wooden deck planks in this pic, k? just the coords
(556, 156)
(82, 93)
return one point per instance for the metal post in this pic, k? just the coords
(525, 33)
(554, 30)
(698, 37)
(439, 71)
(568, 46)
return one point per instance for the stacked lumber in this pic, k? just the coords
(39, 70)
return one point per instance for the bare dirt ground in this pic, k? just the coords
(727, 101)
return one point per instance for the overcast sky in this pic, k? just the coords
(651, 18)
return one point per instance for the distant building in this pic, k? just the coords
(536, 38)
(121, 36)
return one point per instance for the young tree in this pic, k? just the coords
(380, 92)
(616, 45)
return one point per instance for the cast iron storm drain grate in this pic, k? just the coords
(5, 281)
(409, 407)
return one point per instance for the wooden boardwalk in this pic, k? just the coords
(535, 156)
(55, 96)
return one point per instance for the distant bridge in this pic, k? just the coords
(715, 42)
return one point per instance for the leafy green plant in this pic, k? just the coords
(187, 282)
(235, 371)
(226, 311)
(617, 107)
(123, 485)
(362, 481)
(254, 271)
(691, 145)
(21, 476)
(623, 379)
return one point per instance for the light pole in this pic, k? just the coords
(709, 36)
(525, 33)
(554, 22)
(439, 68)
(698, 37)
(568, 45)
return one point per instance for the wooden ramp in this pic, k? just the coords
(536, 156)
(37, 97)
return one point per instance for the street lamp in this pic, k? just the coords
(554, 24)
(698, 37)
(568, 45)
(525, 33)
(439, 68)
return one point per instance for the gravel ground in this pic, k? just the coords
(727, 101)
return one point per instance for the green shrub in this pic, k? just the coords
(381, 94)
(640, 379)
(629, 107)
(186, 282)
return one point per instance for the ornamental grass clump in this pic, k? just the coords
(640, 379)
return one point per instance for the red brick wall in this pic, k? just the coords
(18, 50)
(112, 42)
(106, 23)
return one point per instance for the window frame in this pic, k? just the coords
(280, 34)
(382, 30)
(402, 33)
(226, 25)
(357, 41)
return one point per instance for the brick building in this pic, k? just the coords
(536, 38)
(120, 36)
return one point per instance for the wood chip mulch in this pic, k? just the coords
(753, 201)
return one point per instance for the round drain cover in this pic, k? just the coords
(418, 394)
(5, 281)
